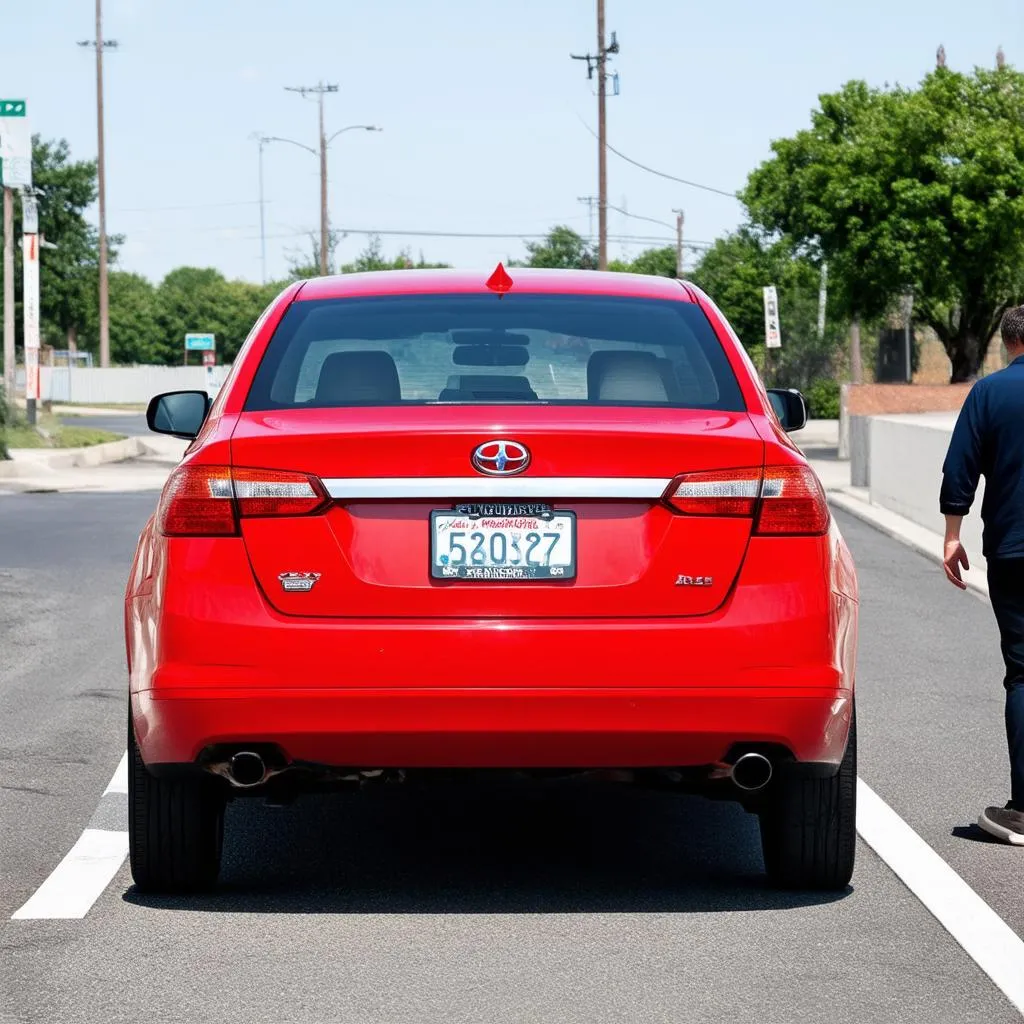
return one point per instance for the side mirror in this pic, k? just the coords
(178, 413)
(790, 407)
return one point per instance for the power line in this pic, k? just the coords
(636, 216)
(660, 174)
(498, 235)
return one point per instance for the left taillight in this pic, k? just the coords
(208, 501)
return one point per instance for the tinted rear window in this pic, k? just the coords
(479, 349)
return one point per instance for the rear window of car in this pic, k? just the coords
(482, 349)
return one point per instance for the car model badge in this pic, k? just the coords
(694, 581)
(298, 582)
(500, 458)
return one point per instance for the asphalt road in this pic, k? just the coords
(553, 903)
(132, 426)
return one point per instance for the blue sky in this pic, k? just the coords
(483, 113)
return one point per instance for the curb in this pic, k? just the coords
(910, 534)
(72, 458)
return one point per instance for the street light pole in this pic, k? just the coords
(263, 220)
(321, 152)
(261, 141)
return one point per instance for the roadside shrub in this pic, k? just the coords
(823, 399)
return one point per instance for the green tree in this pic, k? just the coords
(734, 272)
(306, 264)
(562, 248)
(373, 258)
(202, 299)
(660, 262)
(68, 272)
(917, 190)
(135, 333)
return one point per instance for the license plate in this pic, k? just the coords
(502, 547)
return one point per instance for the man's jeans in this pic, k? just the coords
(1006, 591)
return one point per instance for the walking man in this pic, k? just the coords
(988, 441)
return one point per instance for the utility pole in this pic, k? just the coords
(319, 90)
(9, 368)
(599, 62)
(679, 243)
(100, 45)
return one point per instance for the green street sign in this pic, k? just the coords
(200, 343)
(15, 145)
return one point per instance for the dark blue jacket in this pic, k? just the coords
(988, 441)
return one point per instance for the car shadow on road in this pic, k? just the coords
(532, 848)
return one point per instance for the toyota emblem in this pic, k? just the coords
(500, 458)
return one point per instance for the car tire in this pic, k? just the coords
(809, 827)
(175, 828)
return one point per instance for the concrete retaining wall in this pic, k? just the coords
(905, 456)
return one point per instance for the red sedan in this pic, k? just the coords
(416, 532)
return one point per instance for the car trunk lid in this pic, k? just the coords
(369, 554)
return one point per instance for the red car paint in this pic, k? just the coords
(381, 665)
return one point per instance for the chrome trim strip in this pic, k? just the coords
(461, 487)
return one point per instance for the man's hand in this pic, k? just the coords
(955, 558)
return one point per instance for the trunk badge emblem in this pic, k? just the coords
(500, 458)
(298, 582)
(694, 581)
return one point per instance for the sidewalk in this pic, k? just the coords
(821, 447)
(132, 464)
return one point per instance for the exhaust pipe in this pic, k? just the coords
(751, 772)
(247, 769)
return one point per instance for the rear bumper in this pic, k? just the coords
(488, 728)
(212, 663)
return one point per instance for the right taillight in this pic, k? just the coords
(783, 500)
(208, 501)
(792, 502)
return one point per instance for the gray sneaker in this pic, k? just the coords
(1003, 823)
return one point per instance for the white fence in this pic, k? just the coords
(134, 385)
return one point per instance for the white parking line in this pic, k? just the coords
(983, 934)
(119, 782)
(91, 864)
(78, 881)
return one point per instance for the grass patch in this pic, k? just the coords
(18, 434)
(115, 406)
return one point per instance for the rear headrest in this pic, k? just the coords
(625, 377)
(358, 378)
